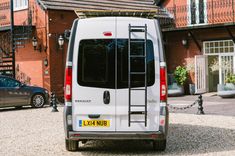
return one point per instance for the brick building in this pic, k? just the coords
(45, 21)
(201, 38)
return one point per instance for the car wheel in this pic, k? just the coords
(71, 145)
(159, 145)
(38, 101)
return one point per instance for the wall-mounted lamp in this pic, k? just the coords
(61, 41)
(45, 62)
(185, 43)
(35, 44)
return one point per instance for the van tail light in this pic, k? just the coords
(163, 81)
(68, 84)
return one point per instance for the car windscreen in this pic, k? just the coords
(97, 62)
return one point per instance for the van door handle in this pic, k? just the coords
(94, 116)
(106, 97)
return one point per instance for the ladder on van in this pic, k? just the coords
(137, 29)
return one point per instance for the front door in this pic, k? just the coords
(201, 74)
(226, 66)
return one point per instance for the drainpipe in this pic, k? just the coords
(12, 37)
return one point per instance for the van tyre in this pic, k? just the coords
(71, 145)
(38, 101)
(159, 145)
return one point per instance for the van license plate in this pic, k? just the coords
(94, 123)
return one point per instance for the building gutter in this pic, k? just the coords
(41, 4)
(208, 26)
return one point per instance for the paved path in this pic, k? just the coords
(38, 132)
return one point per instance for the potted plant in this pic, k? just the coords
(180, 75)
(227, 90)
(230, 80)
(190, 66)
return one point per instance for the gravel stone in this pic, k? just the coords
(38, 132)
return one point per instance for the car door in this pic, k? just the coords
(15, 95)
(137, 80)
(93, 89)
(2, 92)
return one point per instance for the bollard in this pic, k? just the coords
(53, 102)
(200, 105)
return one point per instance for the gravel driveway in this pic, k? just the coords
(38, 132)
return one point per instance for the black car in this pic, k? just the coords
(16, 94)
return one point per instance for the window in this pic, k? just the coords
(217, 47)
(137, 64)
(9, 83)
(20, 4)
(96, 63)
(197, 12)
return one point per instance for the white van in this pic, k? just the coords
(115, 82)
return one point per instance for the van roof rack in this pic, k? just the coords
(156, 13)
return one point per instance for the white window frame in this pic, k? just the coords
(197, 13)
(219, 55)
(21, 4)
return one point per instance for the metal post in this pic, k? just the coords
(200, 105)
(53, 102)
(12, 37)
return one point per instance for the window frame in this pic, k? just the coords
(118, 71)
(20, 5)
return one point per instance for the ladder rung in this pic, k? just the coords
(137, 73)
(137, 105)
(140, 56)
(137, 26)
(137, 112)
(137, 30)
(137, 41)
(137, 121)
(137, 89)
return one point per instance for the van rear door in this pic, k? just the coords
(153, 82)
(93, 91)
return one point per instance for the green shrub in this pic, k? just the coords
(230, 79)
(180, 74)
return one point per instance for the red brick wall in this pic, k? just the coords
(20, 16)
(177, 54)
(218, 11)
(58, 22)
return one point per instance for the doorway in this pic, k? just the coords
(213, 72)
(221, 56)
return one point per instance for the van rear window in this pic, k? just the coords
(98, 59)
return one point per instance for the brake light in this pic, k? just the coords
(163, 87)
(68, 84)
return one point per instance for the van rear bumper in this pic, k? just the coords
(116, 135)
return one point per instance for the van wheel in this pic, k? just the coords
(71, 145)
(38, 101)
(159, 145)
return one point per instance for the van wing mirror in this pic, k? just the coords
(67, 33)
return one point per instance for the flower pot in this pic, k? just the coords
(192, 89)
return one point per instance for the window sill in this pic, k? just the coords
(21, 8)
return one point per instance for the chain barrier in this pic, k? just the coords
(183, 108)
(199, 101)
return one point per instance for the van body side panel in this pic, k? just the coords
(92, 69)
(153, 94)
